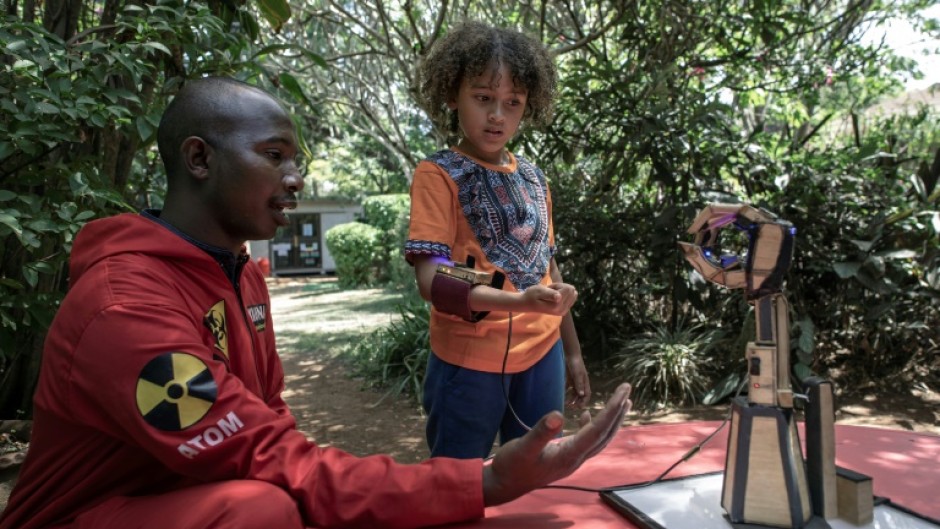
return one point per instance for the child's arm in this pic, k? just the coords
(575, 371)
(554, 300)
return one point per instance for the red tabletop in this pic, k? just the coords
(905, 467)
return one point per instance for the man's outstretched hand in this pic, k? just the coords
(532, 461)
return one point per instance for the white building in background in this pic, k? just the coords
(300, 248)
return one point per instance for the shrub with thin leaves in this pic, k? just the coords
(396, 356)
(667, 367)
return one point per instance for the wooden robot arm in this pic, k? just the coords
(760, 271)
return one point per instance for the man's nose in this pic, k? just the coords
(293, 181)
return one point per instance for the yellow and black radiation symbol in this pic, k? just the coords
(174, 391)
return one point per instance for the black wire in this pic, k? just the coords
(688, 455)
(502, 378)
(502, 381)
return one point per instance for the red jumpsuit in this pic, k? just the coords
(159, 402)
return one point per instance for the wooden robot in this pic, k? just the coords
(766, 480)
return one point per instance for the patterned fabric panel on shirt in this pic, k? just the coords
(415, 247)
(508, 212)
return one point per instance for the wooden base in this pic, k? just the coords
(765, 478)
(856, 496)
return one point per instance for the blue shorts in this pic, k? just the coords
(467, 408)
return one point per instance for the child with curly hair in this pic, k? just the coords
(501, 356)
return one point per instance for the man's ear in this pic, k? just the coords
(196, 153)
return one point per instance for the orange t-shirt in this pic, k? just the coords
(502, 216)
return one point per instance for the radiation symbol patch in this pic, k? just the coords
(174, 391)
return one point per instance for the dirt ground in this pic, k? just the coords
(312, 316)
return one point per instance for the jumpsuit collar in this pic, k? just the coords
(231, 264)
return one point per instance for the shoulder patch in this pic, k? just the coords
(258, 314)
(214, 320)
(175, 391)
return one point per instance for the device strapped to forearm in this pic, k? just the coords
(450, 289)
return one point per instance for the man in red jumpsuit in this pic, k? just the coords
(159, 398)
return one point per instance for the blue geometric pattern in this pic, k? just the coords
(415, 247)
(508, 213)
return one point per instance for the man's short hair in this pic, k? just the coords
(205, 107)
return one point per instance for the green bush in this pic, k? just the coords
(390, 214)
(396, 356)
(401, 275)
(667, 366)
(867, 277)
(353, 246)
(384, 211)
(636, 151)
(80, 102)
(56, 99)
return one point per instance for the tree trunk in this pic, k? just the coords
(61, 17)
(29, 11)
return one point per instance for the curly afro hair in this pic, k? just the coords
(466, 51)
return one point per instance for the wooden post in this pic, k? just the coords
(821, 448)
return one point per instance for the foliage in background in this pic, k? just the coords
(385, 211)
(684, 105)
(350, 166)
(396, 357)
(663, 107)
(867, 282)
(372, 255)
(77, 109)
(354, 246)
(81, 94)
(392, 214)
(666, 366)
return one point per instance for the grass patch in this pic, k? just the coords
(381, 333)
(331, 343)
(321, 287)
